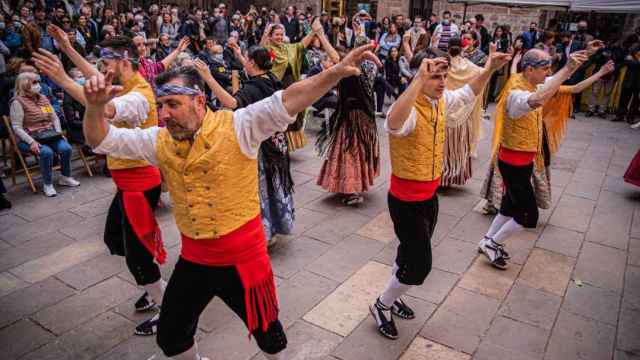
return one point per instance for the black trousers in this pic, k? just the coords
(519, 201)
(413, 223)
(629, 102)
(190, 289)
(122, 240)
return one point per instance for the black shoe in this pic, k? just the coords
(4, 203)
(401, 310)
(144, 303)
(618, 119)
(589, 113)
(149, 327)
(503, 252)
(382, 315)
(495, 255)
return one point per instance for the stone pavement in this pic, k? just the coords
(572, 291)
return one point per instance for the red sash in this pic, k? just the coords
(133, 183)
(246, 249)
(413, 190)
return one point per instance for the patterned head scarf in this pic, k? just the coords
(169, 89)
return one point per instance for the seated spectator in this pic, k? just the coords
(39, 130)
(230, 59)
(213, 57)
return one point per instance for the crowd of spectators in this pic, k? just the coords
(168, 35)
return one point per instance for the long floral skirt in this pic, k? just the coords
(457, 155)
(349, 171)
(276, 206)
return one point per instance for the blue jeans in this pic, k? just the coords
(60, 147)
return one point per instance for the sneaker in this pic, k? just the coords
(272, 242)
(382, 315)
(379, 113)
(494, 254)
(489, 209)
(49, 190)
(148, 327)
(68, 181)
(401, 310)
(144, 303)
(4, 203)
(636, 125)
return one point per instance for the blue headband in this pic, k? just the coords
(536, 64)
(109, 54)
(168, 90)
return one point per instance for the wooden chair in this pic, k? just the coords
(20, 157)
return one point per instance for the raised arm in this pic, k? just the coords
(225, 98)
(237, 52)
(303, 94)
(495, 61)
(87, 69)
(604, 70)
(98, 92)
(317, 28)
(264, 41)
(401, 109)
(171, 58)
(552, 84)
(51, 66)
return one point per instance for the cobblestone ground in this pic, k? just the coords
(572, 292)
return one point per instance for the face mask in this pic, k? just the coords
(81, 81)
(582, 30)
(217, 57)
(445, 21)
(532, 29)
(36, 88)
(2, 25)
(466, 42)
(17, 25)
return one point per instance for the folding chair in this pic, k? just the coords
(16, 153)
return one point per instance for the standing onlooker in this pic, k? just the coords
(630, 97)
(601, 88)
(389, 40)
(291, 24)
(219, 24)
(433, 20)
(445, 31)
(485, 38)
(530, 38)
(164, 48)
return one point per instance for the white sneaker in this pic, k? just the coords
(635, 126)
(49, 190)
(379, 113)
(68, 181)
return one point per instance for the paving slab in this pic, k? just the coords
(453, 255)
(365, 342)
(632, 287)
(629, 330)
(573, 213)
(305, 341)
(9, 283)
(462, 320)
(532, 306)
(21, 338)
(517, 336)
(379, 228)
(592, 302)
(28, 231)
(487, 280)
(92, 271)
(575, 337)
(40, 245)
(601, 266)
(289, 257)
(338, 227)
(548, 271)
(560, 240)
(82, 307)
(343, 310)
(423, 349)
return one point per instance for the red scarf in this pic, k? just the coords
(133, 183)
(246, 249)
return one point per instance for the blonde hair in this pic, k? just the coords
(23, 83)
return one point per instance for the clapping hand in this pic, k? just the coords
(50, 65)
(593, 46)
(203, 68)
(350, 65)
(497, 59)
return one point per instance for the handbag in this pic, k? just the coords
(46, 136)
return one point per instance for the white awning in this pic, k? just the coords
(607, 6)
(520, 3)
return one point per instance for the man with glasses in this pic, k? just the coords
(517, 142)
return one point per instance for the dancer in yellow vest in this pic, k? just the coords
(209, 161)
(517, 140)
(416, 125)
(131, 229)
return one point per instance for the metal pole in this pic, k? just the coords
(464, 14)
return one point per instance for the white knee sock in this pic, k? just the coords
(509, 229)
(497, 223)
(278, 356)
(394, 290)
(156, 290)
(191, 354)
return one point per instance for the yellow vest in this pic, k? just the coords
(140, 85)
(525, 132)
(213, 185)
(419, 155)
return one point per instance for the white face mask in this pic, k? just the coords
(36, 88)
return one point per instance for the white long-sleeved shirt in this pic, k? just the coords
(253, 124)
(132, 108)
(452, 99)
(518, 100)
